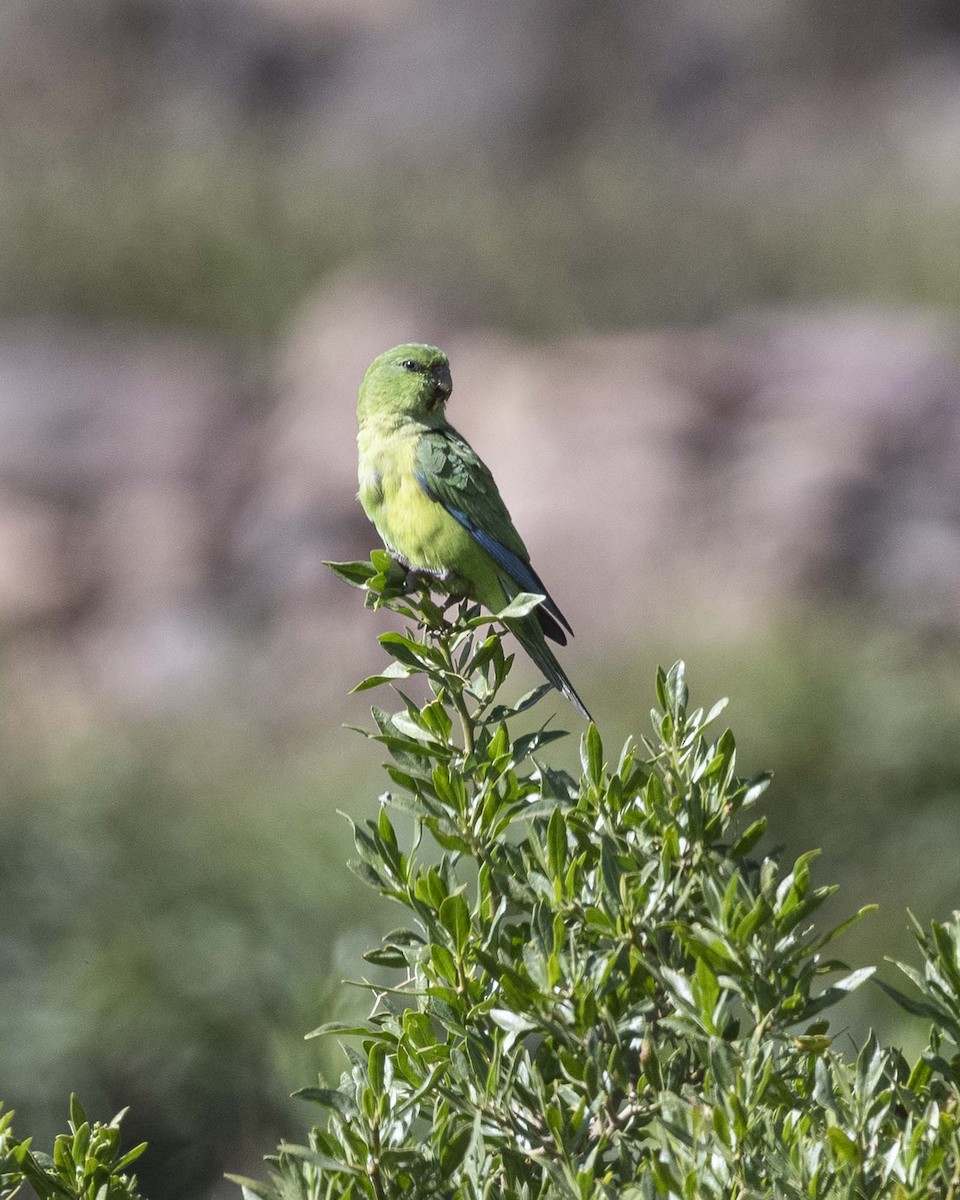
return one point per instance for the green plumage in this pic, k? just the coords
(435, 504)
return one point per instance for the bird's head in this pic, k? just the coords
(410, 380)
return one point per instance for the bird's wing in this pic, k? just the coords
(451, 473)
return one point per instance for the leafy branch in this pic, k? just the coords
(600, 987)
(604, 986)
(87, 1163)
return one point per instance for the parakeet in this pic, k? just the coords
(435, 504)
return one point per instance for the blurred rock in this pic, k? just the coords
(34, 580)
(163, 526)
(376, 76)
(715, 475)
(119, 455)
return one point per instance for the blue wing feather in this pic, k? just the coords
(523, 575)
(520, 572)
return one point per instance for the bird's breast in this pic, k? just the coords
(410, 523)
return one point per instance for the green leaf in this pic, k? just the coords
(252, 1188)
(871, 1064)
(386, 956)
(721, 1125)
(129, 1158)
(844, 925)
(756, 787)
(81, 1140)
(837, 991)
(364, 871)
(715, 711)
(679, 984)
(591, 755)
(499, 744)
(357, 574)
(676, 693)
(946, 941)
(512, 1022)
(325, 1097)
(557, 843)
(919, 1008)
(749, 838)
(376, 1066)
(77, 1115)
(418, 1028)
(706, 992)
(455, 918)
(530, 743)
(528, 700)
(317, 1158)
(343, 1028)
(843, 1146)
(412, 728)
(390, 674)
(453, 1149)
(610, 866)
(661, 686)
(555, 785)
(823, 1089)
(443, 963)
(520, 606)
(405, 650)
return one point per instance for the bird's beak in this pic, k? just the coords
(443, 379)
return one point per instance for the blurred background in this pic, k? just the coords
(696, 266)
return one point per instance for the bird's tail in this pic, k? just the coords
(528, 633)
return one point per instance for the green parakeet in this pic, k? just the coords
(435, 504)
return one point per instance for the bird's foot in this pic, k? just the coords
(417, 579)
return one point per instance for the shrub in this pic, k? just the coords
(602, 988)
(86, 1164)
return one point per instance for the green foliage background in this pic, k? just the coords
(171, 938)
(605, 235)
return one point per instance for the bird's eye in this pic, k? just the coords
(410, 364)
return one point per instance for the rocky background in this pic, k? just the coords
(164, 514)
(696, 269)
